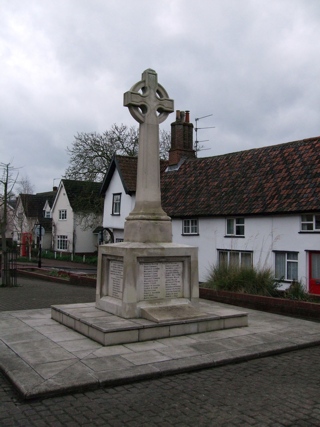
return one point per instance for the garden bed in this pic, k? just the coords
(57, 276)
(273, 305)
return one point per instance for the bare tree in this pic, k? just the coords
(91, 153)
(7, 183)
(25, 186)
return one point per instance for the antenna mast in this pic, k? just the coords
(196, 130)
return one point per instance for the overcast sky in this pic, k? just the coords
(65, 64)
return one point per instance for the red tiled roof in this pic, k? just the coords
(127, 167)
(281, 178)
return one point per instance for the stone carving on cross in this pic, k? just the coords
(147, 100)
(150, 105)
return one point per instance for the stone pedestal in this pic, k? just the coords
(142, 279)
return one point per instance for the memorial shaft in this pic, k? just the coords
(149, 104)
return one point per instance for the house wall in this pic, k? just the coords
(63, 227)
(116, 222)
(263, 236)
(84, 240)
(46, 241)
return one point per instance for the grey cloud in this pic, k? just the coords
(66, 64)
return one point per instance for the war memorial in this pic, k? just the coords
(147, 320)
(147, 286)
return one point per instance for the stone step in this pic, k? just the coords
(108, 329)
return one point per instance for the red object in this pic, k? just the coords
(26, 240)
(314, 273)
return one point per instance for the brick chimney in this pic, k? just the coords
(181, 138)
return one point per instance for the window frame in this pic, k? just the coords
(312, 223)
(62, 238)
(241, 255)
(189, 224)
(46, 214)
(63, 214)
(288, 265)
(237, 224)
(116, 204)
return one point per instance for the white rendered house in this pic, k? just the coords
(257, 207)
(76, 212)
(32, 211)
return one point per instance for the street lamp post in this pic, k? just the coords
(39, 231)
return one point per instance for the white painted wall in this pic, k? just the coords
(84, 240)
(80, 240)
(116, 222)
(263, 235)
(62, 226)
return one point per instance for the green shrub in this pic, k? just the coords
(248, 280)
(296, 291)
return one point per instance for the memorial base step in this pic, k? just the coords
(108, 329)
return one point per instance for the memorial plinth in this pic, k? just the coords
(135, 277)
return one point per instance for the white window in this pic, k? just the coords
(46, 214)
(286, 265)
(116, 204)
(62, 243)
(63, 214)
(310, 222)
(190, 226)
(235, 226)
(235, 258)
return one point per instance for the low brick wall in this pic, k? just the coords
(256, 302)
(74, 279)
(36, 274)
(81, 280)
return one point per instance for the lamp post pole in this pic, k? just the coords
(39, 236)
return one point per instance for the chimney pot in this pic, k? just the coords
(187, 116)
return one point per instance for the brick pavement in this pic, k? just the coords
(276, 391)
(33, 294)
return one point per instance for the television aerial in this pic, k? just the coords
(196, 130)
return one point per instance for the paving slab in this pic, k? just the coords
(155, 323)
(42, 358)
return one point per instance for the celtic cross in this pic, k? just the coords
(149, 104)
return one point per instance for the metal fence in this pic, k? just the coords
(8, 270)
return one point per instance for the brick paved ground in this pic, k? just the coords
(32, 294)
(276, 391)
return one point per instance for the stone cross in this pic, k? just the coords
(149, 104)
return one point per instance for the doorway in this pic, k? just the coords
(314, 273)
